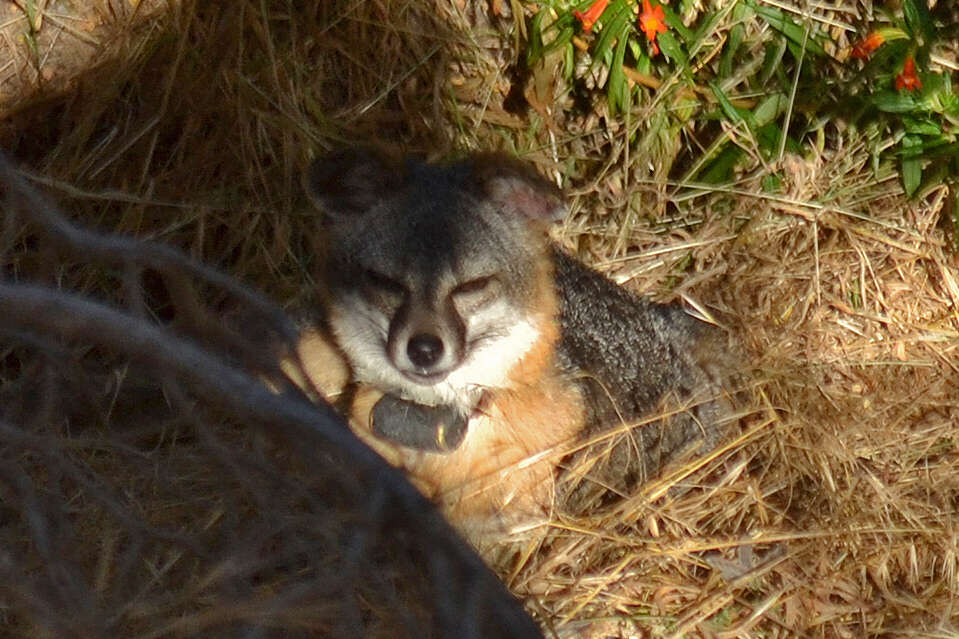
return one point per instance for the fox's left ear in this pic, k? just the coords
(518, 189)
(348, 183)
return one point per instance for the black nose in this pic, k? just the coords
(424, 350)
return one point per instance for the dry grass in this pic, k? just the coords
(834, 514)
(46, 44)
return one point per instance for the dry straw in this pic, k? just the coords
(140, 502)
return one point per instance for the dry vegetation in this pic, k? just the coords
(140, 502)
(46, 44)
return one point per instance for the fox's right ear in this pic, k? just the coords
(518, 189)
(351, 181)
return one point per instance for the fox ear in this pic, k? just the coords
(351, 181)
(518, 189)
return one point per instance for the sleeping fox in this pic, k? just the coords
(476, 354)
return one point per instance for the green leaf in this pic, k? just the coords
(771, 183)
(770, 109)
(918, 20)
(895, 102)
(30, 9)
(891, 34)
(564, 38)
(729, 51)
(674, 22)
(740, 15)
(911, 164)
(911, 13)
(793, 31)
(936, 83)
(671, 48)
(615, 27)
(921, 126)
(948, 105)
(773, 59)
(569, 62)
(721, 169)
(644, 64)
(731, 111)
(938, 147)
(938, 95)
(855, 298)
(618, 88)
(537, 48)
(887, 56)
(767, 138)
(534, 50)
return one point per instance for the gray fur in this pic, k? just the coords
(629, 354)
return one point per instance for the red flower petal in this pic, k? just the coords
(591, 15)
(651, 22)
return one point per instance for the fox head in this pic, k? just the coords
(434, 273)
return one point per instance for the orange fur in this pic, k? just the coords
(322, 363)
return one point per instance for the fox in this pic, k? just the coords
(504, 376)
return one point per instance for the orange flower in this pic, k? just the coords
(651, 23)
(592, 14)
(867, 45)
(908, 79)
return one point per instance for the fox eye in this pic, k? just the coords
(477, 285)
(383, 283)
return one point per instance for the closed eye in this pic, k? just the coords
(477, 285)
(383, 283)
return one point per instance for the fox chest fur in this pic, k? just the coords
(442, 289)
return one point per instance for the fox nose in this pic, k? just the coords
(424, 350)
